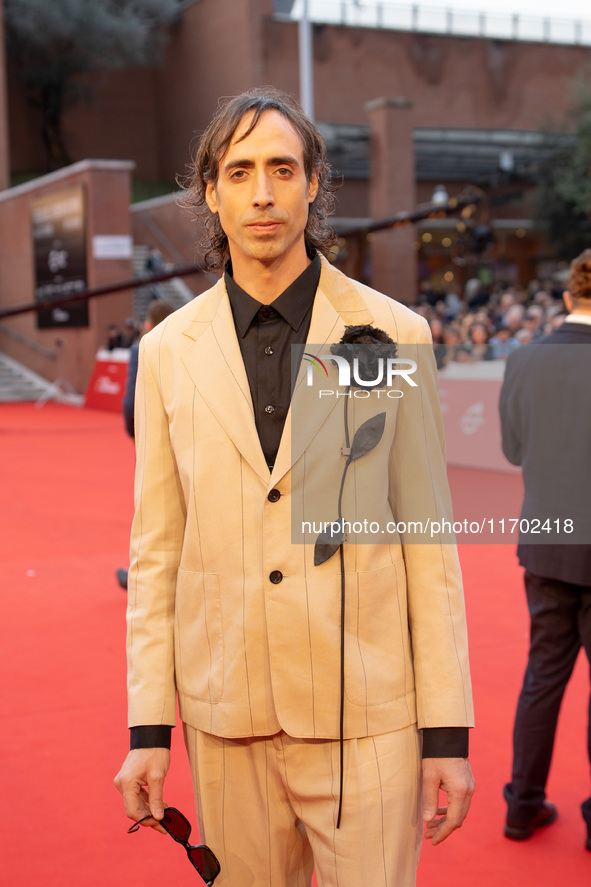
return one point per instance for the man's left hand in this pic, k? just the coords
(454, 777)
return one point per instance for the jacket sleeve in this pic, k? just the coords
(419, 490)
(129, 396)
(156, 543)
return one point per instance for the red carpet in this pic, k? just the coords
(66, 481)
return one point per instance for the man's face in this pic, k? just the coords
(262, 195)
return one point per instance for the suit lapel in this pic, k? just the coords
(337, 304)
(215, 365)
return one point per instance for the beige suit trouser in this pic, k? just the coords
(267, 807)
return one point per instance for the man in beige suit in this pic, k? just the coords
(324, 702)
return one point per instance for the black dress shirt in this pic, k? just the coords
(266, 334)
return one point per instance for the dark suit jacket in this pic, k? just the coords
(129, 396)
(545, 409)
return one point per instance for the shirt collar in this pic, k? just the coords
(293, 303)
(578, 318)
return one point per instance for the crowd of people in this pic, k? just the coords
(116, 338)
(485, 325)
(489, 324)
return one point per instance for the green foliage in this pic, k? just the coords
(564, 178)
(52, 42)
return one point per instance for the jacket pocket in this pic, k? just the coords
(378, 666)
(199, 647)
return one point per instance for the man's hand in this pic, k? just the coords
(453, 776)
(141, 782)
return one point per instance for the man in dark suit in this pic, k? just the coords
(157, 310)
(545, 409)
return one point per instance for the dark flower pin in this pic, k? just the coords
(366, 350)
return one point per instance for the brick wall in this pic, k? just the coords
(107, 190)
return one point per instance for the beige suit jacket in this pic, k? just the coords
(248, 656)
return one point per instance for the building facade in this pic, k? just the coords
(404, 111)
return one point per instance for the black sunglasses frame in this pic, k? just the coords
(183, 842)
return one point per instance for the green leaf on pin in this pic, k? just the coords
(328, 542)
(367, 436)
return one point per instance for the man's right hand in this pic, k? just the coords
(141, 782)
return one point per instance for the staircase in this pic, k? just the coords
(17, 383)
(174, 291)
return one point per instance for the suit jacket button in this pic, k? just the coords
(276, 576)
(274, 496)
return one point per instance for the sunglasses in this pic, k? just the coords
(179, 828)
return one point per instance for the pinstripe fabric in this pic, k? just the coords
(249, 657)
(268, 809)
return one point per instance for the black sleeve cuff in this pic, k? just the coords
(445, 742)
(157, 736)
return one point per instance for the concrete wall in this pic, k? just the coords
(107, 189)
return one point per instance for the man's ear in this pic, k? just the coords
(313, 188)
(211, 197)
(568, 301)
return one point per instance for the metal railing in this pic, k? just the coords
(440, 20)
(107, 290)
(433, 210)
(29, 343)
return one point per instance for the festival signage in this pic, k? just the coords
(59, 242)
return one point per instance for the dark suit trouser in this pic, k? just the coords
(560, 615)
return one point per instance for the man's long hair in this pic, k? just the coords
(213, 145)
